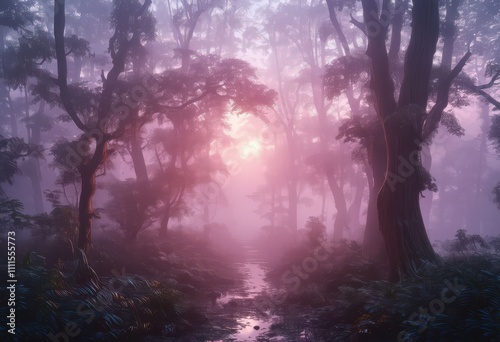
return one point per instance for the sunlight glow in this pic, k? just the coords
(250, 149)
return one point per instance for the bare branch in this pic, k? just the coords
(337, 27)
(491, 83)
(357, 23)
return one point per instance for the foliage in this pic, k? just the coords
(494, 134)
(316, 230)
(11, 214)
(343, 73)
(496, 194)
(166, 300)
(12, 149)
(353, 302)
(11, 210)
(62, 221)
(131, 205)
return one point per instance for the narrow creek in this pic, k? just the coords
(235, 315)
(252, 324)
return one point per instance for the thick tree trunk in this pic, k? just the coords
(400, 217)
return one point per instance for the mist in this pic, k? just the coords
(210, 170)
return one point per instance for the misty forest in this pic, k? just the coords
(215, 170)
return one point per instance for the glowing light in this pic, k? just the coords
(250, 149)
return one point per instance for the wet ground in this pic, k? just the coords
(236, 315)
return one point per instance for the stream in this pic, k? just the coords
(234, 316)
(252, 325)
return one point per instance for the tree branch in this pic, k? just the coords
(397, 26)
(337, 27)
(491, 83)
(434, 117)
(358, 24)
(420, 53)
(381, 82)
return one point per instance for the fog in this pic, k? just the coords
(250, 170)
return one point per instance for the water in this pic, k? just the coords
(248, 320)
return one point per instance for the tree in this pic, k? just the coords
(406, 127)
(494, 135)
(129, 18)
(346, 75)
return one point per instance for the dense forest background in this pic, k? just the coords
(183, 148)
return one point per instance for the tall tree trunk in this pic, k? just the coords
(86, 208)
(400, 218)
(373, 242)
(341, 222)
(140, 169)
(427, 195)
(164, 220)
(89, 168)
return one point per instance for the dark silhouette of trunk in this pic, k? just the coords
(164, 220)
(426, 197)
(140, 169)
(373, 242)
(85, 208)
(337, 27)
(400, 218)
(341, 221)
(448, 33)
